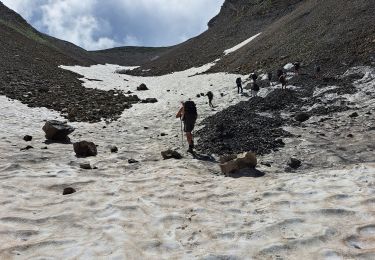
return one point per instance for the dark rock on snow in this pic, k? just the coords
(142, 87)
(57, 131)
(149, 100)
(85, 149)
(302, 117)
(113, 149)
(27, 138)
(355, 114)
(131, 161)
(171, 154)
(27, 148)
(85, 166)
(294, 163)
(68, 191)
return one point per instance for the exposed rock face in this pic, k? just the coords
(85, 149)
(233, 163)
(171, 154)
(57, 131)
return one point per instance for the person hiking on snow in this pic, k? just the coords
(239, 85)
(254, 89)
(297, 67)
(269, 76)
(210, 96)
(188, 114)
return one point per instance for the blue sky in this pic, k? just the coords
(98, 24)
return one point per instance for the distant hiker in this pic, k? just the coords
(282, 80)
(239, 85)
(254, 77)
(210, 96)
(297, 67)
(188, 114)
(317, 71)
(254, 89)
(269, 77)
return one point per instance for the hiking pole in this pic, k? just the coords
(182, 134)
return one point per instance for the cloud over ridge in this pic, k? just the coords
(95, 24)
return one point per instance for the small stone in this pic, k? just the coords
(355, 114)
(131, 161)
(302, 117)
(27, 148)
(68, 191)
(294, 163)
(170, 154)
(113, 149)
(145, 127)
(350, 135)
(142, 87)
(163, 134)
(44, 148)
(27, 138)
(85, 166)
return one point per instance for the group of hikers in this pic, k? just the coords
(188, 111)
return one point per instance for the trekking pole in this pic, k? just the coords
(182, 134)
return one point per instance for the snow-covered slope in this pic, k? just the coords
(173, 209)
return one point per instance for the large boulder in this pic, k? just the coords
(57, 131)
(233, 163)
(85, 149)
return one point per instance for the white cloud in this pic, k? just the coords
(95, 24)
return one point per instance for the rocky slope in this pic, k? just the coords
(29, 72)
(332, 33)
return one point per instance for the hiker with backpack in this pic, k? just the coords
(239, 86)
(210, 96)
(297, 67)
(254, 77)
(188, 114)
(282, 80)
(317, 71)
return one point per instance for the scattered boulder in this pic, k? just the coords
(294, 163)
(113, 149)
(27, 138)
(163, 134)
(142, 87)
(85, 149)
(350, 135)
(57, 131)
(27, 148)
(302, 117)
(85, 166)
(198, 95)
(233, 163)
(131, 161)
(68, 191)
(149, 100)
(171, 154)
(355, 114)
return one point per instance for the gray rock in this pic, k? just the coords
(142, 87)
(27, 138)
(171, 154)
(294, 163)
(113, 149)
(68, 191)
(85, 149)
(85, 166)
(302, 117)
(57, 131)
